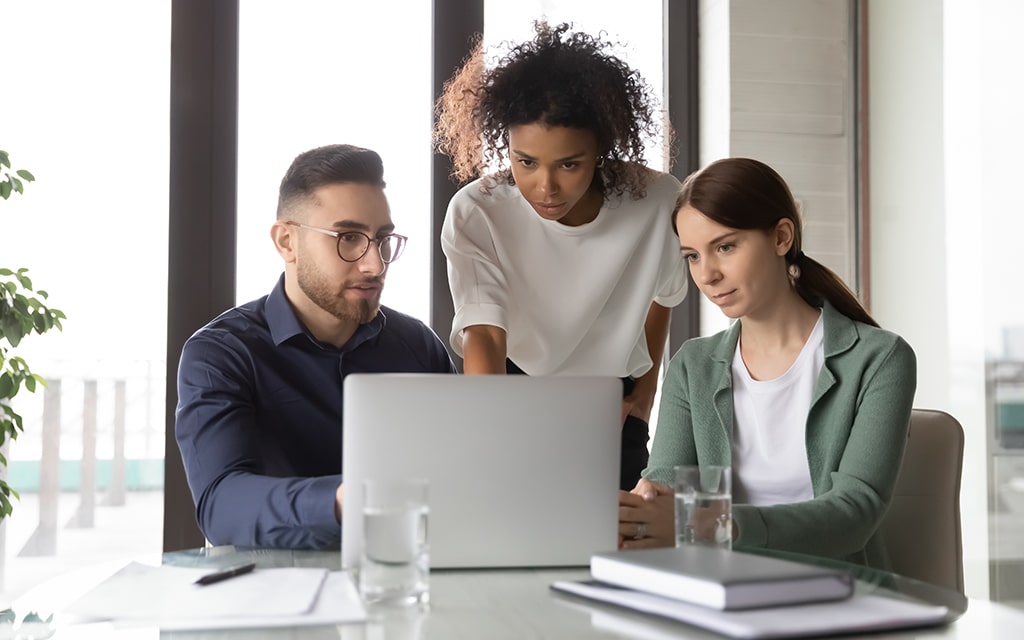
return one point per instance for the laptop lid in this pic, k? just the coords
(523, 470)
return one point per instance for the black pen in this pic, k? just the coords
(224, 574)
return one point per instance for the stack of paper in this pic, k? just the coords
(742, 595)
(167, 597)
(861, 613)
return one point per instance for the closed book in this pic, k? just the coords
(719, 578)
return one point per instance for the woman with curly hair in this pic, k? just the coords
(561, 258)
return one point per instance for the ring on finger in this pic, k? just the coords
(641, 531)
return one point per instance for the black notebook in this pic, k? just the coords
(720, 579)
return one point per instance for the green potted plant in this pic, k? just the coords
(22, 312)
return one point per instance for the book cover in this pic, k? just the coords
(720, 579)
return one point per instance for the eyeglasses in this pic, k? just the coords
(353, 245)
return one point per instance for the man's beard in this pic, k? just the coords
(324, 294)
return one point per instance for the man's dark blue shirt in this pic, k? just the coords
(259, 417)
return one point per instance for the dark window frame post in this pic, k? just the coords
(455, 23)
(683, 101)
(202, 210)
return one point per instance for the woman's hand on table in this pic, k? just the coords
(646, 516)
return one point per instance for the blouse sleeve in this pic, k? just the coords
(475, 275)
(674, 285)
(672, 280)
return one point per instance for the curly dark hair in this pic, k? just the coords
(559, 79)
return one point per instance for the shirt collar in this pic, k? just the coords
(284, 324)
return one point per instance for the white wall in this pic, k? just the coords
(793, 106)
(777, 84)
(945, 223)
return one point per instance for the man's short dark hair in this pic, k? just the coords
(331, 164)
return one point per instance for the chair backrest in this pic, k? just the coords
(921, 529)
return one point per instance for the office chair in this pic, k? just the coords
(921, 529)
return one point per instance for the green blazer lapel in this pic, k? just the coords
(840, 334)
(721, 378)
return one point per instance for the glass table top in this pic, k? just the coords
(469, 603)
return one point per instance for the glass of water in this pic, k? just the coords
(703, 505)
(395, 562)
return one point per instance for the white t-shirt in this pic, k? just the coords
(769, 444)
(572, 300)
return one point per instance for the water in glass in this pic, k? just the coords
(396, 562)
(703, 518)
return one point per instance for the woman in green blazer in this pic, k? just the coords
(805, 397)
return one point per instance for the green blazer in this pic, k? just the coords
(856, 434)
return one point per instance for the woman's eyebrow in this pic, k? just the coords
(713, 241)
(575, 156)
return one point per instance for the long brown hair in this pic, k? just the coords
(742, 193)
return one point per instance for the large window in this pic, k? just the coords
(326, 72)
(981, 280)
(85, 109)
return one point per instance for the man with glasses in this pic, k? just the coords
(259, 416)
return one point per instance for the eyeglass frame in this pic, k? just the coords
(402, 240)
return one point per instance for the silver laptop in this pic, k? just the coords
(523, 470)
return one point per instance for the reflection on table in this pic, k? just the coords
(513, 603)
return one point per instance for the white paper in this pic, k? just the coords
(338, 603)
(167, 595)
(862, 612)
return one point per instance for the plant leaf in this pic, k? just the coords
(26, 174)
(7, 387)
(5, 504)
(5, 189)
(11, 329)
